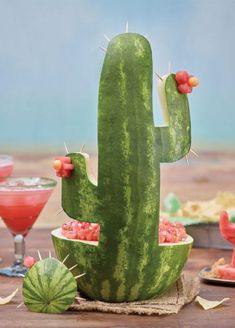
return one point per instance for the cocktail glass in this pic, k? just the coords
(6, 168)
(21, 201)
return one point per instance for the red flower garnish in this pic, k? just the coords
(185, 82)
(63, 166)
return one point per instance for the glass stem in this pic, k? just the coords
(19, 250)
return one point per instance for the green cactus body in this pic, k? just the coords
(128, 263)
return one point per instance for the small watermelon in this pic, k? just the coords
(49, 287)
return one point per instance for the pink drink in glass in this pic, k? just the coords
(6, 168)
(21, 201)
(20, 209)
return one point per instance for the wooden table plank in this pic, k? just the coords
(190, 316)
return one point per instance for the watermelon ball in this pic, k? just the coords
(29, 261)
(181, 77)
(193, 81)
(63, 166)
(184, 88)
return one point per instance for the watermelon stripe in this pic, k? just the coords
(31, 286)
(49, 287)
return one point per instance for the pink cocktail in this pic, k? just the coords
(21, 201)
(6, 166)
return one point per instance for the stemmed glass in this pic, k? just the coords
(6, 167)
(21, 201)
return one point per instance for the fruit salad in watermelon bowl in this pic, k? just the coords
(169, 232)
(84, 243)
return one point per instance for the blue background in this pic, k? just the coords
(50, 64)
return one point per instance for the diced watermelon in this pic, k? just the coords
(168, 232)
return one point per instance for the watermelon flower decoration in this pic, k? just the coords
(185, 82)
(63, 166)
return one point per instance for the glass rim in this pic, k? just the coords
(51, 183)
(5, 158)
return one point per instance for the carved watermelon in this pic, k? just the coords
(128, 264)
(49, 287)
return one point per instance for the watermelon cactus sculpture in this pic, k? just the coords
(128, 263)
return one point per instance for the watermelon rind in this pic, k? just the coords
(147, 282)
(49, 287)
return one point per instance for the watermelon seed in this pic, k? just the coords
(65, 258)
(106, 37)
(70, 269)
(159, 76)
(66, 149)
(80, 275)
(39, 255)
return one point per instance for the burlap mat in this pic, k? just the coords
(181, 293)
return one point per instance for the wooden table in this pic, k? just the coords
(190, 316)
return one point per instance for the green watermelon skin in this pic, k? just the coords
(128, 264)
(146, 282)
(49, 287)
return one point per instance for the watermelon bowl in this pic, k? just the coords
(119, 278)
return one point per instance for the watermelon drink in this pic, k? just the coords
(6, 166)
(21, 202)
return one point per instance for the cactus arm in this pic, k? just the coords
(174, 139)
(79, 194)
